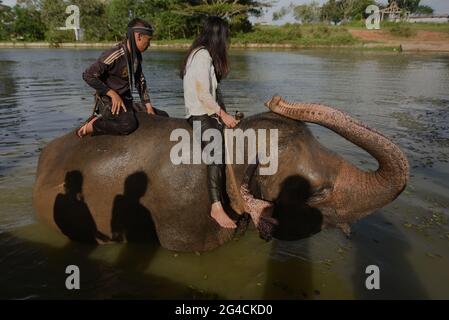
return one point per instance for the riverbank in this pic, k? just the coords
(421, 41)
(392, 37)
(177, 45)
(181, 45)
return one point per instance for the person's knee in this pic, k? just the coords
(128, 125)
(161, 113)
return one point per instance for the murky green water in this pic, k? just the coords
(43, 96)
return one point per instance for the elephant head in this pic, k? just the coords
(353, 193)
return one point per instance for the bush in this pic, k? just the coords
(312, 34)
(401, 30)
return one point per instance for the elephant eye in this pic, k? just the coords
(320, 194)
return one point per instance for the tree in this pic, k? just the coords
(236, 12)
(331, 11)
(168, 23)
(93, 19)
(6, 20)
(54, 16)
(344, 10)
(224, 8)
(278, 15)
(359, 9)
(425, 10)
(27, 24)
(119, 13)
(307, 12)
(410, 5)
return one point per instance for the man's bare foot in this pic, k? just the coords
(217, 212)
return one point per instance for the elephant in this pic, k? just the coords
(129, 189)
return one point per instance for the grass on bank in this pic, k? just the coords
(295, 34)
(413, 27)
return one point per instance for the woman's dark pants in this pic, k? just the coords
(215, 171)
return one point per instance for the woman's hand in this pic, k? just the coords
(150, 109)
(228, 120)
(117, 102)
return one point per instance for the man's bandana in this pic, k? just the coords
(135, 53)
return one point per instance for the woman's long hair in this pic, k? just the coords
(214, 37)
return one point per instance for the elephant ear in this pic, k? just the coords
(261, 211)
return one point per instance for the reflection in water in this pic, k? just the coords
(39, 103)
(125, 279)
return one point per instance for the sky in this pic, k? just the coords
(440, 7)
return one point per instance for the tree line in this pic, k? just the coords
(343, 10)
(106, 20)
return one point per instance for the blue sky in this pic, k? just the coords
(440, 6)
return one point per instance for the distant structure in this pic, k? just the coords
(394, 13)
(428, 18)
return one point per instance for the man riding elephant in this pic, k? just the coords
(113, 76)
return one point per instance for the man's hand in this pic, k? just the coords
(117, 102)
(150, 109)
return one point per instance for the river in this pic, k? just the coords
(405, 96)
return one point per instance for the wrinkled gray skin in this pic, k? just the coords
(177, 195)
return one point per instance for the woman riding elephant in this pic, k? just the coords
(204, 66)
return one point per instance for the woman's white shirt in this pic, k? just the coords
(200, 84)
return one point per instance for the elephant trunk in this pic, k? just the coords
(356, 193)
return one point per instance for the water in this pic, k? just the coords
(42, 96)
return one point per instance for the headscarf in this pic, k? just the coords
(135, 54)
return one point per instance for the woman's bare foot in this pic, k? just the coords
(217, 212)
(87, 128)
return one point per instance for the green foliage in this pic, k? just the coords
(28, 24)
(281, 13)
(236, 12)
(162, 14)
(224, 8)
(296, 34)
(101, 20)
(118, 13)
(6, 22)
(331, 11)
(424, 10)
(307, 12)
(53, 16)
(401, 30)
(410, 5)
(345, 10)
(179, 19)
(93, 19)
